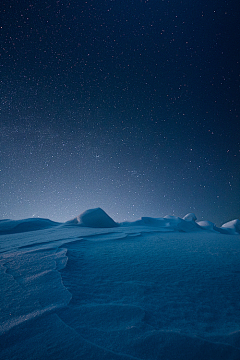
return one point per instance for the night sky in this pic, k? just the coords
(131, 106)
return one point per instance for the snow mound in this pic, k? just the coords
(94, 218)
(19, 226)
(233, 227)
(190, 217)
(148, 221)
(168, 223)
(207, 225)
(185, 225)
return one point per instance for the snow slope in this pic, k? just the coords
(165, 288)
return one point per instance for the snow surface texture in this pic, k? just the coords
(165, 288)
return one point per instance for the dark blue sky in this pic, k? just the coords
(133, 107)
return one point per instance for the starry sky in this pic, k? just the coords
(129, 106)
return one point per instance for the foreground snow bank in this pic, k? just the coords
(130, 292)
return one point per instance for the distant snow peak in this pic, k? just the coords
(95, 218)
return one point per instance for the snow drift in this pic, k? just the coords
(18, 226)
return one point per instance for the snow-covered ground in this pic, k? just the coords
(165, 288)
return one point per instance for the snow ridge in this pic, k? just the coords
(98, 218)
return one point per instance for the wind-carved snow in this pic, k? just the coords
(156, 288)
(31, 285)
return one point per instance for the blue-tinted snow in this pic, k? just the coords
(165, 288)
(97, 218)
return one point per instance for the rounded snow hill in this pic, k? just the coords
(94, 218)
(19, 226)
(233, 226)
